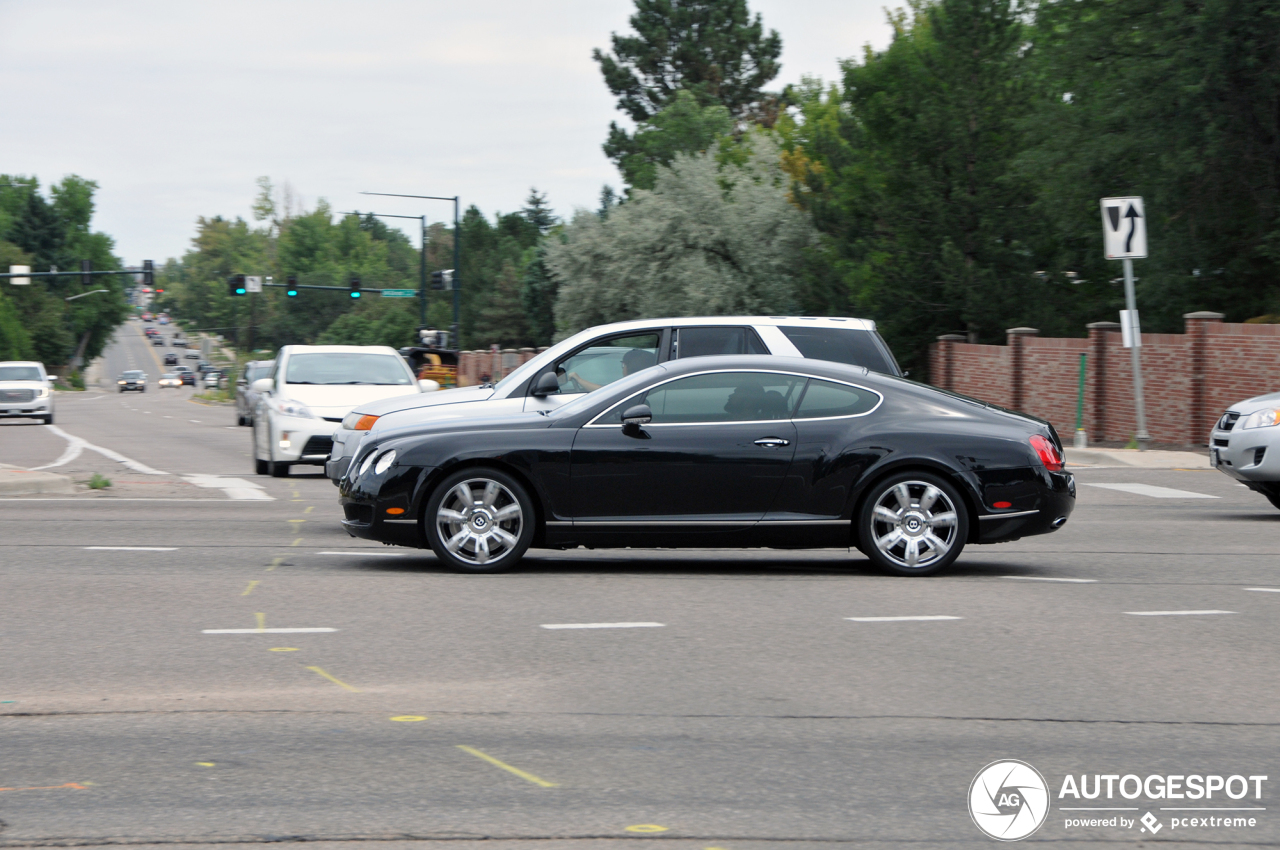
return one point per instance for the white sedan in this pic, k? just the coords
(170, 379)
(311, 389)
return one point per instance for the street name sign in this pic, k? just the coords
(399, 293)
(1124, 229)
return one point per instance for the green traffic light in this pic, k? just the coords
(355, 295)
(292, 292)
(240, 290)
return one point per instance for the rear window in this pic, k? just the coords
(842, 345)
(823, 399)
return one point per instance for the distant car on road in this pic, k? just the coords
(743, 451)
(185, 375)
(25, 391)
(171, 359)
(179, 342)
(192, 355)
(598, 356)
(1245, 444)
(169, 379)
(157, 339)
(132, 380)
(246, 397)
(309, 392)
(212, 379)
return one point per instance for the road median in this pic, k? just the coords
(15, 481)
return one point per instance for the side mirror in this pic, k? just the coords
(547, 384)
(263, 385)
(428, 386)
(635, 416)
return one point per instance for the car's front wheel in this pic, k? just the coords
(479, 520)
(913, 524)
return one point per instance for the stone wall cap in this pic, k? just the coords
(1104, 326)
(1204, 314)
(953, 338)
(1022, 330)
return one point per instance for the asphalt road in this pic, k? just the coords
(438, 710)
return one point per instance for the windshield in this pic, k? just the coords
(132, 374)
(20, 373)
(347, 368)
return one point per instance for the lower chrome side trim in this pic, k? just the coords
(1006, 516)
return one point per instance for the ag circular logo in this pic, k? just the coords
(1008, 800)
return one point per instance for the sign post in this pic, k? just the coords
(1124, 236)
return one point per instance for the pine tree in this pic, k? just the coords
(537, 211)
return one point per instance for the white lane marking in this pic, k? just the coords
(237, 489)
(1264, 589)
(900, 619)
(112, 500)
(79, 444)
(1047, 578)
(1174, 613)
(367, 554)
(260, 631)
(197, 421)
(132, 548)
(603, 625)
(1153, 491)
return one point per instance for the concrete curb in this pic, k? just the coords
(1134, 459)
(15, 481)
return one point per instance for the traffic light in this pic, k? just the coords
(86, 273)
(442, 279)
(148, 273)
(292, 282)
(236, 285)
(355, 287)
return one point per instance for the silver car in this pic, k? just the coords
(1245, 444)
(600, 355)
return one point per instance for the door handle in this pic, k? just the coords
(772, 442)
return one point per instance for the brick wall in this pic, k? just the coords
(1189, 378)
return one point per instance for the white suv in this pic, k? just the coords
(603, 354)
(24, 391)
(311, 389)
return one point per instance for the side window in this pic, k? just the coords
(706, 342)
(840, 345)
(607, 360)
(824, 398)
(717, 397)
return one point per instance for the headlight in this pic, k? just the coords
(43, 392)
(384, 462)
(122, 382)
(293, 408)
(358, 421)
(364, 467)
(1261, 419)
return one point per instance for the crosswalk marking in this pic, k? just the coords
(1153, 491)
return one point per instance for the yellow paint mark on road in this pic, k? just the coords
(275, 562)
(73, 785)
(338, 682)
(297, 500)
(250, 588)
(284, 649)
(409, 718)
(295, 520)
(309, 509)
(207, 763)
(528, 777)
(296, 542)
(646, 827)
(262, 621)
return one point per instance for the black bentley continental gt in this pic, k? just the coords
(742, 451)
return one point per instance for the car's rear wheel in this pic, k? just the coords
(479, 520)
(913, 524)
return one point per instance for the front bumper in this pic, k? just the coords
(346, 443)
(26, 409)
(1252, 455)
(385, 507)
(304, 441)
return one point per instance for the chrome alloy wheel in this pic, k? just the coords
(914, 524)
(479, 521)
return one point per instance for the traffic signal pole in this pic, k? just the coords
(422, 260)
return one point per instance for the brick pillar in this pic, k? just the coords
(947, 349)
(1199, 424)
(1097, 367)
(1015, 337)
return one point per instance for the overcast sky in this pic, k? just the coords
(174, 108)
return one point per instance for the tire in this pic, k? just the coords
(499, 515)
(259, 467)
(1274, 498)
(916, 538)
(276, 469)
(48, 420)
(240, 420)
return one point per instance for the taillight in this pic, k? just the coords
(1047, 452)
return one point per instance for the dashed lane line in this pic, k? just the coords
(1152, 491)
(263, 631)
(1264, 589)
(603, 625)
(367, 554)
(528, 777)
(903, 619)
(1175, 613)
(131, 548)
(1049, 578)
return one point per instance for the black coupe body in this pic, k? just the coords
(743, 451)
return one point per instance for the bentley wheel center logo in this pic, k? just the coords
(1009, 800)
